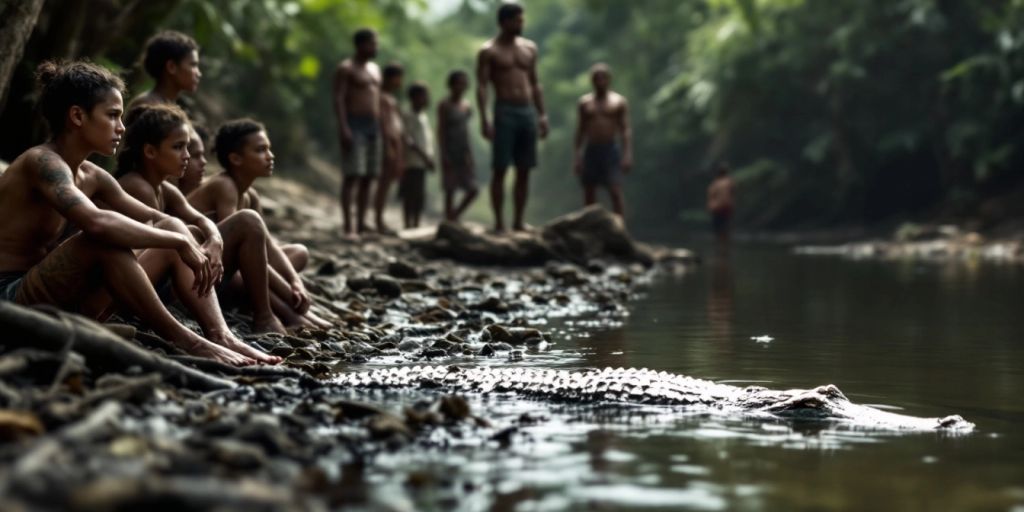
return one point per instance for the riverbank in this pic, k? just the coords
(90, 421)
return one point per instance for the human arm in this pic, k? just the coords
(340, 88)
(627, 137)
(483, 77)
(441, 113)
(52, 178)
(536, 91)
(577, 155)
(213, 244)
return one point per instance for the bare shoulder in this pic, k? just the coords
(135, 186)
(486, 49)
(586, 99)
(619, 100)
(526, 43)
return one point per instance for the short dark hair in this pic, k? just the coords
(393, 69)
(721, 167)
(63, 85)
(165, 46)
(146, 124)
(417, 88)
(231, 137)
(202, 131)
(508, 10)
(363, 35)
(455, 75)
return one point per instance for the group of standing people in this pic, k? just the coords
(380, 145)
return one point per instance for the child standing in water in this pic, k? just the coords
(457, 169)
(419, 151)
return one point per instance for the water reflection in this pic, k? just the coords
(721, 292)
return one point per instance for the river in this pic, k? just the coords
(920, 339)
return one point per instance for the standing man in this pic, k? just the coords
(357, 108)
(509, 63)
(394, 143)
(603, 118)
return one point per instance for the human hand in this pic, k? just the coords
(487, 129)
(300, 298)
(197, 260)
(542, 125)
(627, 164)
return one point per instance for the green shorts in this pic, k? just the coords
(515, 136)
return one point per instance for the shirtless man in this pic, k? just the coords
(394, 145)
(722, 202)
(603, 118)
(356, 94)
(509, 63)
(52, 185)
(243, 150)
(172, 59)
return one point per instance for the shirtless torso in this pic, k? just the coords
(602, 118)
(357, 88)
(32, 224)
(511, 68)
(219, 197)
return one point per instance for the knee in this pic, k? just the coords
(247, 220)
(173, 224)
(298, 254)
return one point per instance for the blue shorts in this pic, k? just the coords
(9, 284)
(601, 165)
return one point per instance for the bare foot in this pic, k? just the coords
(229, 341)
(220, 354)
(314, 319)
(264, 325)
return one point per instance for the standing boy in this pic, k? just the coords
(603, 119)
(419, 151)
(457, 168)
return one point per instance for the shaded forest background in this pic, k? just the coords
(839, 112)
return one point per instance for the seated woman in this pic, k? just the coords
(156, 141)
(53, 185)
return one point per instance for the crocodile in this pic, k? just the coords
(643, 386)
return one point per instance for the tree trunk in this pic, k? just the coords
(17, 19)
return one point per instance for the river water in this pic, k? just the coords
(919, 339)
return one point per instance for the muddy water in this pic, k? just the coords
(924, 340)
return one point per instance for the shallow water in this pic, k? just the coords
(921, 339)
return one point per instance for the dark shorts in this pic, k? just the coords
(363, 157)
(515, 136)
(601, 165)
(9, 284)
(721, 221)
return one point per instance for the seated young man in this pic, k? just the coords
(172, 59)
(155, 149)
(52, 185)
(190, 180)
(243, 150)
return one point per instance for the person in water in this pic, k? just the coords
(52, 186)
(457, 168)
(155, 149)
(419, 151)
(508, 62)
(722, 202)
(244, 152)
(600, 158)
(356, 95)
(172, 60)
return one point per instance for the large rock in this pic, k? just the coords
(580, 237)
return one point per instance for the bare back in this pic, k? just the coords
(602, 118)
(509, 68)
(357, 87)
(32, 225)
(219, 197)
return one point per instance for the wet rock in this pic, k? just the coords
(402, 270)
(492, 304)
(328, 268)
(387, 286)
(445, 345)
(409, 346)
(18, 426)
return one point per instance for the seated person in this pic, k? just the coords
(156, 148)
(52, 185)
(172, 59)
(198, 139)
(243, 150)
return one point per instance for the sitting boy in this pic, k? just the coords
(243, 150)
(52, 185)
(172, 59)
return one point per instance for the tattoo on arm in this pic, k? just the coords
(55, 176)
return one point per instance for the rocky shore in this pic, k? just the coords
(945, 243)
(111, 417)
